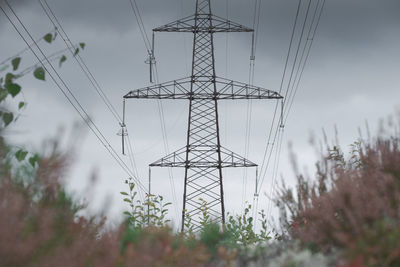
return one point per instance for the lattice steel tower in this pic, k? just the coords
(203, 157)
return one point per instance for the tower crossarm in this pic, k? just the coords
(201, 159)
(228, 89)
(177, 89)
(188, 24)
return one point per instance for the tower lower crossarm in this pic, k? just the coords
(201, 158)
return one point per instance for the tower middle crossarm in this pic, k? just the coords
(180, 89)
(203, 157)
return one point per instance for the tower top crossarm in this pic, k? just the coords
(203, 12)
(188, 25)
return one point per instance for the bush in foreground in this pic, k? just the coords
(353, 205)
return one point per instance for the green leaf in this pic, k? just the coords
(8, 118)
(21, 105)
(76, 51)
(124, 193)
(39, 73)
(33, 160)
(127, 213)
(127, 200)
(62, 60)
(13, 89)
(82, 45)
(21, 155)
(9, 78)
(48, 38)
(15, 63)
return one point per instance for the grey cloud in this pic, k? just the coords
(355, 22)
(352, 73)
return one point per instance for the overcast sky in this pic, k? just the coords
(352, 76)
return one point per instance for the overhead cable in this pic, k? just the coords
(300, 69)
(150, 51)
(85, 69)
(64, 88)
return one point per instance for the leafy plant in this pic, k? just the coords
(151, 212)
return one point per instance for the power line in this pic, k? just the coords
(79, 60)
(279, 132)
(23, 50)
(130, 151)
(140, 23)
(311, 40)
(160, 108)
(180, 14)
(265, 163)
(225, 104)
(292, 71)
(101, 93)
(88, 121)
(55, 56)
(280, 128)
(256, 22)
(298, 49)
(165, 141)
(249, 110)
(89, 75)
(85, 69)
(270, 145)
(275, 169)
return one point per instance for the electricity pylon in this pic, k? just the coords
(203, 157)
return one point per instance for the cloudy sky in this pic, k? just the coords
(352, 76)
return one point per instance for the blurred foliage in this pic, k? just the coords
(352, 206)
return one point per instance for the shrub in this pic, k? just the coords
(353, 205)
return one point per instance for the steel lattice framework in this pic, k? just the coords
(203, 157)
